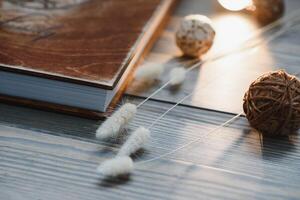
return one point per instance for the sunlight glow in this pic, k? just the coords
(232, 29)
(235, 5)
(222, 84)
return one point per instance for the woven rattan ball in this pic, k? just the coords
(267, 11)
(195, 35)
(272, 104)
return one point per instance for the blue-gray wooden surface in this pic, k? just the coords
(46, 155)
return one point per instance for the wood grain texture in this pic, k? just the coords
(87, 41)
(50, 163)
(46, 155)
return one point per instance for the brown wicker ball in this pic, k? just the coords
(267, 11)
(272, 104)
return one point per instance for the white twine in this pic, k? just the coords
(193, 141)
(263, 30)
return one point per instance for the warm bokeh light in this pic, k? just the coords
(232, 29)
(235, 5)
(222, 84)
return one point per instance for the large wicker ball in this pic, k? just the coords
(272, 104)
(195, 35)
(267, 11)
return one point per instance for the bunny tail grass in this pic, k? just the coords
(177, 76)
(114, 124)
(116, 167)
(149, 72)
(135, 142)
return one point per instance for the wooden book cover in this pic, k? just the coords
(89, 42)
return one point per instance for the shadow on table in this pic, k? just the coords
(277, 147)
(48, 122)
(111, 182)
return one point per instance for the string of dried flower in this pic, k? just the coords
(122, 167)
(149, 72)
(177, 76)
(116, 167)
(113, 125)
(135, 142)
(113, 129)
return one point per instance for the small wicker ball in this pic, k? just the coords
(195, 35)
(272, 104)
(267, 11)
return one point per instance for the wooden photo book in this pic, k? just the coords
(74, 56)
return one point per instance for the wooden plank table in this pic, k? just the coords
(46, 155)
